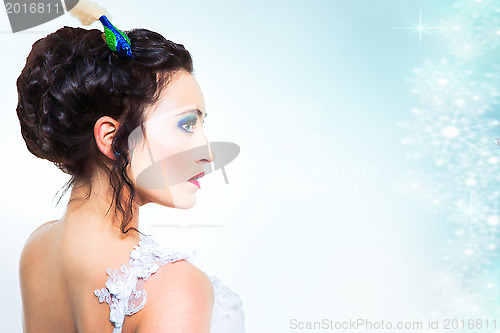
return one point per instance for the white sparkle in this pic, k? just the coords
(420, 27)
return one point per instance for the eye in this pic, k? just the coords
(188, 127)
(188, 124)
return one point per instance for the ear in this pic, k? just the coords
(104, 131)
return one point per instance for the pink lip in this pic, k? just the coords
(201, 174)
(195, 182)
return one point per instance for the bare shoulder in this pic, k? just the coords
(40, 230)
(32, 245)
(180, 298)
(31, 263)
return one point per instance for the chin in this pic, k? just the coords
(186, 204)
(185, 201)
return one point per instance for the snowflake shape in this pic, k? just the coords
(445, 135)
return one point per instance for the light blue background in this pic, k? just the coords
(311, 91)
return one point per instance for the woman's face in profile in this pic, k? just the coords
(175, 147)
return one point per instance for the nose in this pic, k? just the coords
(206, 154)
(210, 152)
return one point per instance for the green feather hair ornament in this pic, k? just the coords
(118, 42)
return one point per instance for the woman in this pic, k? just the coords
(129, 132)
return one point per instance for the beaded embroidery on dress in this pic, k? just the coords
(125, 294)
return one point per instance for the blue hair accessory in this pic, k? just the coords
(117, 40)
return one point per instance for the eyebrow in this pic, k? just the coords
(194, 110)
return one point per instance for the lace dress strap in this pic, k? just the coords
(124, 291)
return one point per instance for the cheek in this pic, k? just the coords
(164, 182)
(161, 164)
(171, 157)
(150, 182)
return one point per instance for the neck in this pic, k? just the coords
(91, 204)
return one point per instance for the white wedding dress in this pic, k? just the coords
(125, 294)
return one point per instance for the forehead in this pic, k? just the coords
(181, 93)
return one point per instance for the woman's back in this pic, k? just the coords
(58, 274)
(61, 274)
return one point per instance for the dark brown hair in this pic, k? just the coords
(71, 79)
